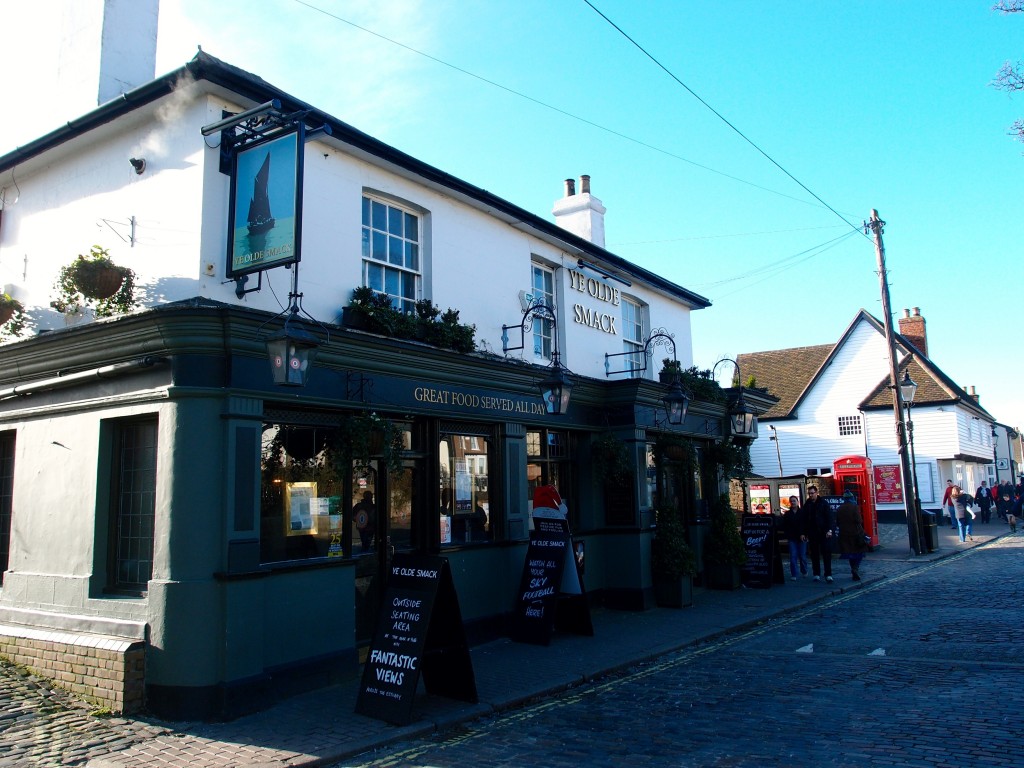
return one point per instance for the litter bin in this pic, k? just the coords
(929, 531)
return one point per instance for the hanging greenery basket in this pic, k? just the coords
(12, 316)
(98, 280)
(95, 281)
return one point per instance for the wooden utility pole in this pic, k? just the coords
(875, 225)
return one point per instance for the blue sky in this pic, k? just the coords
(883, 105)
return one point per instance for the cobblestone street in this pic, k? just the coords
(915, 670)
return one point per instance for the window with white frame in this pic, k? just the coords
(633, 336)
(392, 262)
(849, 425)
(543, 290)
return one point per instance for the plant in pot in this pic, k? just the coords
(611, 459)
(673, 562)
(12, 316)
(372, 311)
(724, 553)
(366, 436)
(95, 281)
(670, 369)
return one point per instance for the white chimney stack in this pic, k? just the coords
(582, 214)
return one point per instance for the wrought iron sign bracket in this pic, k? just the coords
(658, 337)
(536, 310)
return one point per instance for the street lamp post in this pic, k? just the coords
(995, 453)
(908, 388)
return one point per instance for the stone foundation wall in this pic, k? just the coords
(106, 671)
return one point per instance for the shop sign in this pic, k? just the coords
(265, 212)
(419, 619)
(451, 398)
(599, 291)
(888, 484)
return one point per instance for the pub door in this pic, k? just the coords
(394, 495)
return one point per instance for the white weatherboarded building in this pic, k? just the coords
(835, 401)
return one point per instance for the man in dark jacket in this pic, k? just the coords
(820, 523)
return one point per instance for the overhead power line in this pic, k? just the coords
(565, 113)
(721, 117)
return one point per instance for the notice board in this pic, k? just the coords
(419, 630)
(551, 589)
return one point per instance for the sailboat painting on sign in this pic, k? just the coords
(260, 217)
(266, 204)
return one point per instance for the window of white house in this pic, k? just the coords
(391, 251)
(633, 336)
(849, 425)
(543, 289)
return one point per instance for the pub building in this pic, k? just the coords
(203, 494)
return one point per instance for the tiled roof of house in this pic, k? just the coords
(790, 373)
(785, 372)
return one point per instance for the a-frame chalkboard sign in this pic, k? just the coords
(551, 591)
(419, 631)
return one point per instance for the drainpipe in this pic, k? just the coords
(104, 372)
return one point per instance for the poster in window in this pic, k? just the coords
(297, 502)
(760, 499)
(888, 484)
(266, 204)
(785, 491)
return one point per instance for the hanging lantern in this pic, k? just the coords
(555, 389)
(291, 354)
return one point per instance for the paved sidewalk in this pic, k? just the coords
(43, 727)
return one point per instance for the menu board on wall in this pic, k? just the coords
(785, 491)
(419, 630)
(760, 499)
(888, 484)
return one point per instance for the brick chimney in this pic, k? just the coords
(912, 328)
(582, 213)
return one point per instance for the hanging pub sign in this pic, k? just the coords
(265, 214)
(419, 631)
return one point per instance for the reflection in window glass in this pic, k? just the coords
(547, 453)
(465, 514)
(301, 507)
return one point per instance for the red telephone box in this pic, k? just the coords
(853, 473)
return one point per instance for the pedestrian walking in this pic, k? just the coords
(947, 504)
(983, 498)
(819, 533)
(1004, 507)
(794, 525)
(1005, 489)
(853, 541)
(962, 502)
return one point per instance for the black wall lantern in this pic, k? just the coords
(742, 418)
(556, 387)
(293, 349)
(676, 400)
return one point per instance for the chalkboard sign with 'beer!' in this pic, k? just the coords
(758, 533)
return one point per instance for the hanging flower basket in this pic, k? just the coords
(93, 280)
(6, 313)
(97, 280)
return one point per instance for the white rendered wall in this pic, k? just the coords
(86, 193)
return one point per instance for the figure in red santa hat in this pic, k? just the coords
(547, 503)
